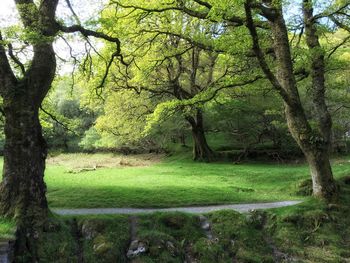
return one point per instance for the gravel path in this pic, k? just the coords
(192, 209)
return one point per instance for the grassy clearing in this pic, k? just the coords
(309, 232)
(177, 181)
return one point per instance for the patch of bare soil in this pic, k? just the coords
(81, 162)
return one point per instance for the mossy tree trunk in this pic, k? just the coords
(201, 149)
(22, 190)
(315, 143)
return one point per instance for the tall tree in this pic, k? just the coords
(314, 142)
(174, 68)
(22, 190)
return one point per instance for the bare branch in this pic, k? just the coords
(327, 14)
(77, 20)
(334, 49)
(16, 60)
(54, 118)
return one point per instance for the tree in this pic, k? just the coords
(173, 68)
(22, 190)
(315, 143)
(266, 26)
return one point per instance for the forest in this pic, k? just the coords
(175, 131)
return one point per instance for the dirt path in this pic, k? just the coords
(191, 209)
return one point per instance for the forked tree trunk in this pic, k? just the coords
(201, 149)
(22, 190)
(313, 142)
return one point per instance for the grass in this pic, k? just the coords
(91, 239)
(310, 232)
(174, 182)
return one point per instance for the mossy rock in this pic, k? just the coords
(102, 248)
(92, 228)
(257, 219)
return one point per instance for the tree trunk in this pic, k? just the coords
(314, 144)
(201, 149)
(321, 173)
(23, 188)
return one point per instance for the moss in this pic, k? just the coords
(304, 187)
(310, 232)
(57, 244)
(313, 231)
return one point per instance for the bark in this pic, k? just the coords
(22, 190)
(201, 149)
(314, 144)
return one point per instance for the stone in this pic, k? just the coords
(136, 248)
(134, 244)
(91, 228)
(101, 248)
(206, 226)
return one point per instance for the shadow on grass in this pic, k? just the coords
(94, 197)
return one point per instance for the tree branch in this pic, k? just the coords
(7, 77)
(16, 60)
(260, 55)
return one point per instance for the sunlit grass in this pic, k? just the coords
(175, 182)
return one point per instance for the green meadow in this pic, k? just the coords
(87, 181)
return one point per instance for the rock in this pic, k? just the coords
(136, 248)
(91, 228)
(130, 254)
(206, 226)
(256, 218)
(134, 244)
(102, 248)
